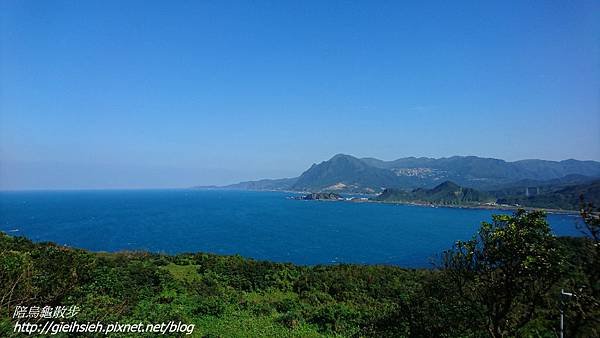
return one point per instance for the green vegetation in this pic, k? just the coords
(345, 173)
(447, 193)
(506, 281)
(566, 198)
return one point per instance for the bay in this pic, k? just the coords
(261, 225)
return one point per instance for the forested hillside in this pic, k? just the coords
(346, 173)
(447, 193)
(549, 196)
(559, 197)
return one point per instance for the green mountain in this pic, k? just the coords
(555, 194)
(567, 198)
(266, 184)
(536, 187)
(345, 173)
(447, 193)
(485, 173)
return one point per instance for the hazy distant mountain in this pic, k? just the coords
(447, 193)
(266, 184)
(345, 173)
(559, 198)
(527, 186)
(486, 172)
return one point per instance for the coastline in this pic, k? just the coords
(475, 206)
(501, 207)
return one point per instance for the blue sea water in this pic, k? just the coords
(261, 225)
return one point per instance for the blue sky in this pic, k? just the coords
(140, 94)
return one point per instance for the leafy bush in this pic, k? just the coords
(505, 281)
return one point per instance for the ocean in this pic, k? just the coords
(260, 225)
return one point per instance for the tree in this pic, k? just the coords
(591, 219)
(505, 270)
(584, 279)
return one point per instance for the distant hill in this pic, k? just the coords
(345, 173)
(567, 198)
(536, 187)
(485, 173)
(266, 184)
(447, 193)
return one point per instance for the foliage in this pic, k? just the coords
(506, 269)
(561, 197)
(505, 281)
(446, 193)
(584, 277)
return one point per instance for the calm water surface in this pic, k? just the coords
(262, 225)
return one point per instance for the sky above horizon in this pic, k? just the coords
(155, 94)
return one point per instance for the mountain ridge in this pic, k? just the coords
(346, 173)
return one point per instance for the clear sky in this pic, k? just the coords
(140, 94)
